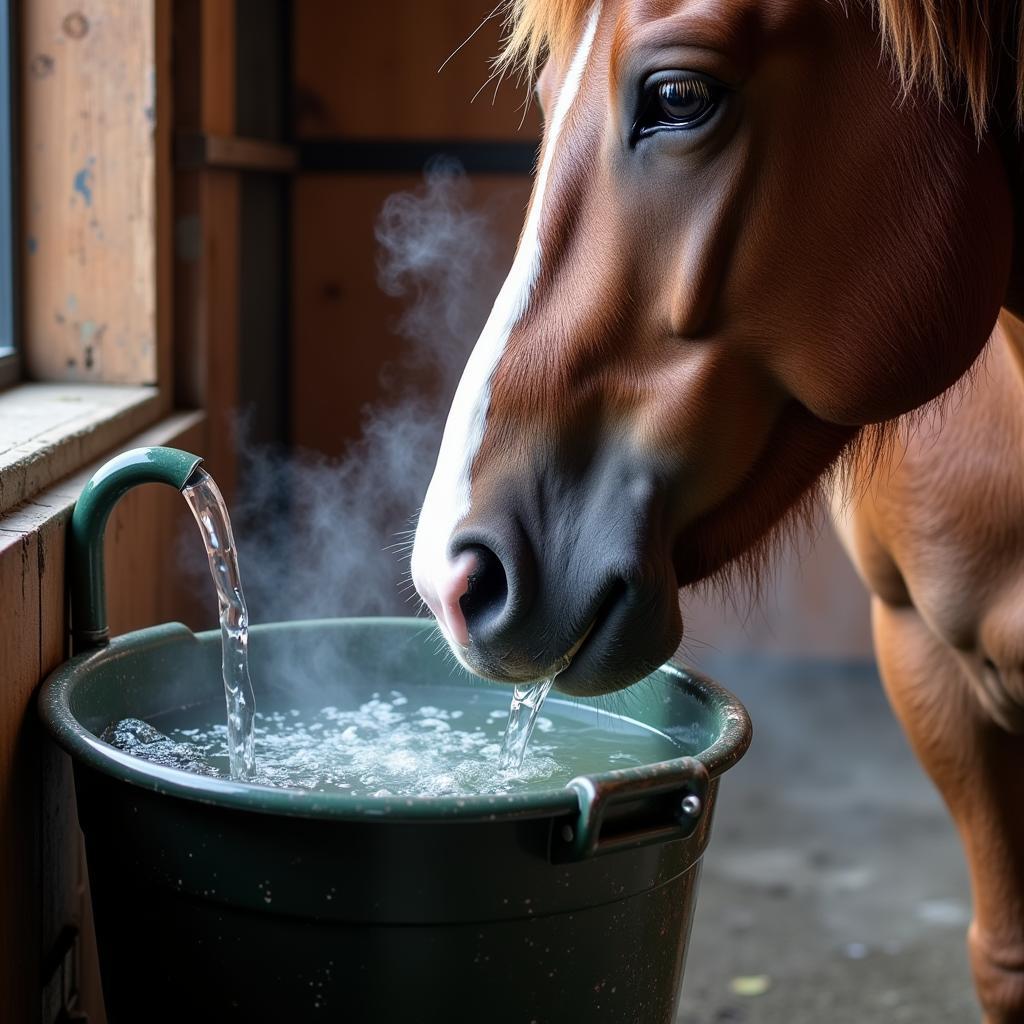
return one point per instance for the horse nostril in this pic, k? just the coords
(487, 594)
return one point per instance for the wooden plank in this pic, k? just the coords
(371, 71)
(65, 894)
(219, 318)
(62, 906)
(40, 846)
(344, 328)
(189, 368)
(89, 192)
(219, 206)
(19, 780)
(217, 66)
(207, 211)
(50, 430)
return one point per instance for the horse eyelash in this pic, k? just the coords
(696, 85)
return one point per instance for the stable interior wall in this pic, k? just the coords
(371, 107)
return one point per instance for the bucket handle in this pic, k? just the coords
(632, 807)
(154, 465)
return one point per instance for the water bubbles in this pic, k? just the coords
(381, 748)
(399, 744)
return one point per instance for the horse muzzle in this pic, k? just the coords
(575, 582)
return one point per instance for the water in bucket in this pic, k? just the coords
(422, 740)
(418, 741)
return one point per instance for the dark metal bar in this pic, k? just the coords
(410, 156)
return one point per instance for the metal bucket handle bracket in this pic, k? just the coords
(88, 521)
(632, 807)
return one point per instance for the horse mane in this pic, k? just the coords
(959, 48)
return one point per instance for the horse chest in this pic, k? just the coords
(949, 516)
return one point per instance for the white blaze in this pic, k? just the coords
(448, 497)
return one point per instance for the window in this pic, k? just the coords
(8, 356)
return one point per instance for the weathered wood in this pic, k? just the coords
(49, 430)
(40, 846)
(19, 779)
(89, 190)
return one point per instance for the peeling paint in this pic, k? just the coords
(149, 110)
(41, 65)
(85, 179)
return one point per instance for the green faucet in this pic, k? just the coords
(89, 520)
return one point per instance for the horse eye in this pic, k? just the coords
(684, 101)
(681, 102)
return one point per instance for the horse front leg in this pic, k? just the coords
(979, 769)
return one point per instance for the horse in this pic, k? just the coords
(769, 260)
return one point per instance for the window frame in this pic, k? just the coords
(10, 363)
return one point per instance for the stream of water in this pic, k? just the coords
(207, 505)
(520, 725)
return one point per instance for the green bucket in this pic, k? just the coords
(229, 901)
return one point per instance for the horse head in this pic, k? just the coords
(750, 238)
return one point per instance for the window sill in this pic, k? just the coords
(50, 430)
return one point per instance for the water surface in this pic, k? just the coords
(418, 741)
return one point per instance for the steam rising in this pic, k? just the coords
(323, 537)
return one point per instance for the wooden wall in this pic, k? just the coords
(100, 220)
(45, 897)
(370, 71)
(367, 74)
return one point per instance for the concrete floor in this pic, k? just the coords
(833, 890)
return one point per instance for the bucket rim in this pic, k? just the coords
(88, 749)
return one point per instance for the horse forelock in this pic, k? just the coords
(958, 48)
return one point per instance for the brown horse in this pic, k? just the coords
(763, 233)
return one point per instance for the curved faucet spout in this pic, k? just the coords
(105, 488)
